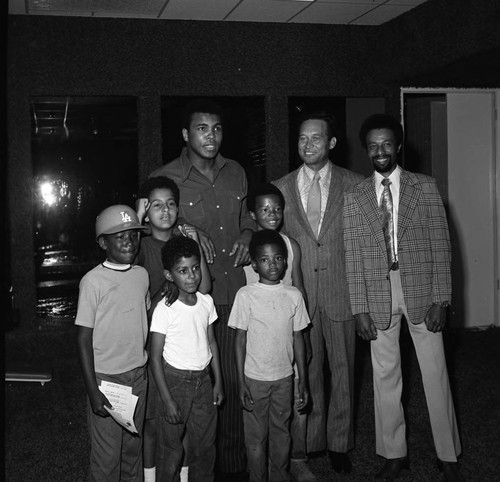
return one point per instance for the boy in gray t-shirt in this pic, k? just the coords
(269, 318)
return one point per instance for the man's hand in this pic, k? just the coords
(206, 245)
(240, 248)
(435, 318)
(365, 327)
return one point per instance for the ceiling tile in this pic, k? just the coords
(413, 3)
(152, 15)
(266, 10)
(332, 12)
(98, 7)
(357, 12)
(382, 14)
(373, 3)
(198, 9)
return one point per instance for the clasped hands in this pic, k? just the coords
(434, 320)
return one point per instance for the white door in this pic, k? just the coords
(472, 149)
(472, 206)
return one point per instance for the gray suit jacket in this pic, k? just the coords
(323, 264)
(423, 249)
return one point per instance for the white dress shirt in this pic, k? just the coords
(395, 179)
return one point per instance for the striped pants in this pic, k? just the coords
(231, 452)
(331, 427)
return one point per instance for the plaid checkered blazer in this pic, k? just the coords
(423, 249)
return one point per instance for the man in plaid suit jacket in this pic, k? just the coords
(417, 285)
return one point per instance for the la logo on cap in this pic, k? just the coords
(125, 217)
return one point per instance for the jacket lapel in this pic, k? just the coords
(296, 203)
(409, 194)
(367, 201)
(335, 198)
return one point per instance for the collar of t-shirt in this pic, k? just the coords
(116, 267)
(268, 286)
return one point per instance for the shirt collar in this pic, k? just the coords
(394, 177)
(116, 267)
(323, 172)
(187, 166)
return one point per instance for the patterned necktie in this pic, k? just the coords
(386, 206)
(314, 203)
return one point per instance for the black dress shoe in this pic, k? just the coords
(392, 468)
(450, 471)
(340, 461)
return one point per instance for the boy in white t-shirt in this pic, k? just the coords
(183, 350)
(269, 318)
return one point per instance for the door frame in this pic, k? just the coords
(495, 178)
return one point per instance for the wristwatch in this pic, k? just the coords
(442, 304)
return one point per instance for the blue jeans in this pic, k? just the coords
(192, 390)
(267, 433)
(116, 454)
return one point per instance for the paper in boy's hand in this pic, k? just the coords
(123, 404)
(126, 420)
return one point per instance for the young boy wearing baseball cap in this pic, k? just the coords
(111, 337)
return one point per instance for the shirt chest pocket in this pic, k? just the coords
(234, 199)
(192, 209)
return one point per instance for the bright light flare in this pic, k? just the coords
(48, 194)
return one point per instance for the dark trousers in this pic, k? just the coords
(231, 452)
(116, 454)
(193, 392)
(267, 430)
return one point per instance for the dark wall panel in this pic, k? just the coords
(114, 56)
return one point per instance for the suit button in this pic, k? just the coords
(319, 245)
(315, 270)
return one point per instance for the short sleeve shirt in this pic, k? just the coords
(113, 303)
(186, 332)
(269, 314)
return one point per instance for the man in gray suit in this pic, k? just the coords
(314, 196)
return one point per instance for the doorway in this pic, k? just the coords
(453, 135)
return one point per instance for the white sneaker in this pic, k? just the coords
(300, 472)
(184, 477)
